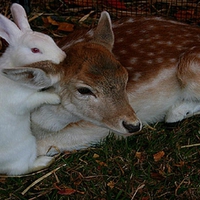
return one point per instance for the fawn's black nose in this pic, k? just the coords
(131, 127)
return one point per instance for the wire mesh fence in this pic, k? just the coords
(182, 10)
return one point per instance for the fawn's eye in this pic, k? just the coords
(44, 89)
(85, 91)
(35, 50)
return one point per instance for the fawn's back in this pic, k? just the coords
(145, 46)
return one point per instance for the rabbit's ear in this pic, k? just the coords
(20, 17)
(34, 78)
(8, 30)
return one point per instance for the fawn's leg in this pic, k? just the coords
(182, 110)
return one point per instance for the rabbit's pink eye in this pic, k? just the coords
(35, 50)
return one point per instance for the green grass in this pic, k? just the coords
(121, 169)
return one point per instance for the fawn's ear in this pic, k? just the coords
(34, 78)
(104, 33)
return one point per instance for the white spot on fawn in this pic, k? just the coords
(156, 36)
(142, 51)
(160, 42)
(169, 43)
(159, 60)
(150, 54)
(172, 60)
(129, 68)
(129, 32)
(153, 47)
(120, 40)
(151, 26)
(188, 35)
(161, 51)
(123, 51)
(149, 61)
(135, 45)
(133, 60)
(148, 40)
(143, 31)
(136, 76)
(179, 47)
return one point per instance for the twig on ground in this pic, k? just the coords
(40, 179)
(190, 145)
(138, 188)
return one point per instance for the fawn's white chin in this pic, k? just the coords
(124, 132)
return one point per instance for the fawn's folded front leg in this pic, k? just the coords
(75, 136)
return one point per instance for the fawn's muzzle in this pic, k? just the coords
(131, 127)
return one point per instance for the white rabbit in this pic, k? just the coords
(25, 45)
(21, 92)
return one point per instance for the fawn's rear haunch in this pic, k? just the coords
(162, 59)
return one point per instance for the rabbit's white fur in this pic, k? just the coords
(17, 100)
(25, 45)
(20, 94)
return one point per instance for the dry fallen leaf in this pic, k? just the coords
(95, 156)
(169, 170)
(63, 26)
(157, 176)
(101, 163)
(111, 184)
(66, 191)
(180, 164)
(51, 21)
(138, 155)
(158, 156)
(3, 180)
(145, 198)
(45, 21)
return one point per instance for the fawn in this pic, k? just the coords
(162, 60)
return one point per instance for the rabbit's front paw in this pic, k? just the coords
(42, 162)
(53, 99)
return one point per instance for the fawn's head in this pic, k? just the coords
(92, 86)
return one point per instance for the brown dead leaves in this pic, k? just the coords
(64, 190)
(158, 156)
(111, 184)
(61, 26)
